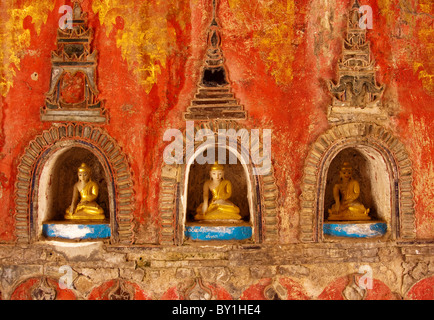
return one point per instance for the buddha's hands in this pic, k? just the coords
(204, 207)
(336, 207)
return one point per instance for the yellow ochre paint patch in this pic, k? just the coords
(145, 39)
(272, 23)
(417, 18)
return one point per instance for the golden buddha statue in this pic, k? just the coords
(87, 208)
(345, 194)
(220, 208)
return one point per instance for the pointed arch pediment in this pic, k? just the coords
(357, 136)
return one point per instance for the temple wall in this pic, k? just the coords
(279, 56)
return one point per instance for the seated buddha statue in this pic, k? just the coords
(345, 194)
(87, 189)
(219, 208)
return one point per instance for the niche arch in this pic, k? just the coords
(384, 152)
(238, 174)
(262, 201)
(57, 176)
(43, 151)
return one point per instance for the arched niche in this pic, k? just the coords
(384, 168)
(48, 159)
(235, 173)
(370, 170)
(259, 193)
(242, 196)
(58, 176)
(375, 178)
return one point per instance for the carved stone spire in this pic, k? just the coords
(214, 99)
(73, 92)
(214, 71)
(356, 87)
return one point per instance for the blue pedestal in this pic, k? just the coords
(351, 229)
(76, 230)
(211, 232)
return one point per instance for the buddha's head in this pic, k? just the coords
(346, 171)
(83, 173)
(216, 172)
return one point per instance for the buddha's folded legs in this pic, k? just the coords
(87, 211)
(219, 211)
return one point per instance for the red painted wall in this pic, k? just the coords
(278, 58)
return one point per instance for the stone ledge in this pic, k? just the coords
(209, 232)
(354, 229)
(248, 254)
(74, 230)
(284, 254)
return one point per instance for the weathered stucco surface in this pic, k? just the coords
(279, 55)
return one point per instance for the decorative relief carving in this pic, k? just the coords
(265, 192)
(359, 119)
(214, 99)
(73, 92)
(198, 291)
(353, 291)
(356, 95)
(48, 141)
(357, 135)
(275, 291)
(43, 291)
